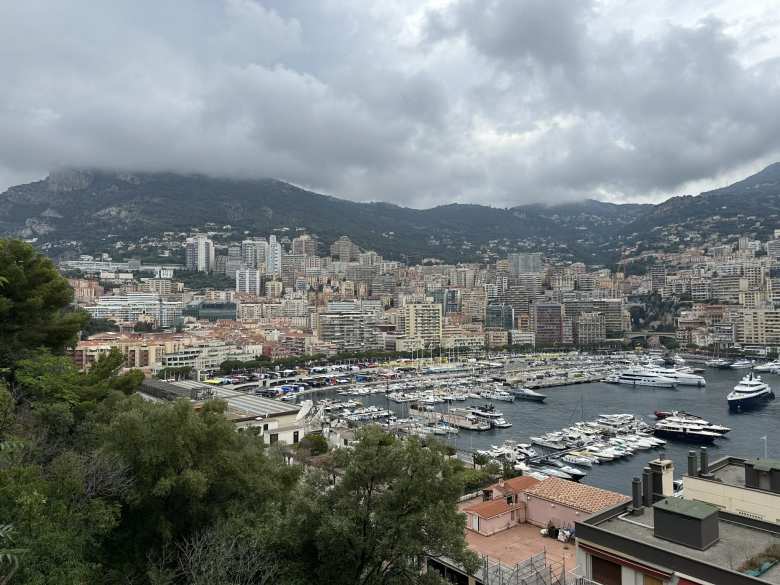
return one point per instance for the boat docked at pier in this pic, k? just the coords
(683, 376)
(645, 377)
(528, 394)
(749, 393)
(741, 365)
(685, 431)
(770, 367)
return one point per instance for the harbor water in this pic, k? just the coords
(566, 405)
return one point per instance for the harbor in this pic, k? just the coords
(568, 405)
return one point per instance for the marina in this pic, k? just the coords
(568, 405)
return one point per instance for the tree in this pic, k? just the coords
(33, 303)
(394, 503)
(190, 469)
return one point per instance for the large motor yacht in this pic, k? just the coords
(645, 377)
(749, 393)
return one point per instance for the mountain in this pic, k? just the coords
(90, 210)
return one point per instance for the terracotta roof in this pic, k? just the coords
(515, 485)
(491, 508)
(575, 495)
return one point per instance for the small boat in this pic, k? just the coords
(550, 471)
(579, 460)
(741, 365)
(719, 363)
(501, 423)
(749, 393)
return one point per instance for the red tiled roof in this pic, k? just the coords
(575, 495)
(515, 485)
(491, 508)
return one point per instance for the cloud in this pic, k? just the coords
(491, 101)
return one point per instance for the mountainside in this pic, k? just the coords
(88, 211)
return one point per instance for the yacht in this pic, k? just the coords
(550, 441)
(645, 377)
(750, 392)
(580, 460)
(689, 433)
(689, 419)
(501, 423)
(772, 367)
(683, 378)
(486, 411)
(528, 394)
(741, 365)
(718, 363)
(498, 395)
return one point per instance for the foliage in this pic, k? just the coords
(203, 280)
(99, 486)
(394, 503)
(94, 326)
(313, 444)
(33, 303)
(175, 372)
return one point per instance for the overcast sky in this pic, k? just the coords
(499, 102)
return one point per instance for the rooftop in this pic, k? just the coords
(584, 498)
(764, 464)
(690, 508)
(518, 544)
(514, 485)
(491, 508)
(250, 405)
(737, 543)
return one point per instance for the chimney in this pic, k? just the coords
(663, 478)
(647, 486)
(636, 496)
(692, 464)
(705, 463)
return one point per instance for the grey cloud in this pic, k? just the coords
(493, 101)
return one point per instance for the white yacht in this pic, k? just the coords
(682, 377)
(717, 363)
(741, 365)
(498, 395)
(749, 393)
(501, 423)
(645, 377)
(772, 367)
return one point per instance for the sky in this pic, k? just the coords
(420, 103)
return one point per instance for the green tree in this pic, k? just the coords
(190, 469)
(394, 502)
(33, 303)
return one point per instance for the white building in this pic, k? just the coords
(199, 252)
(249, 281)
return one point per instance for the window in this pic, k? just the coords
(605, 572)
(295, 437)
(274, 438)
(652, 581)
(265, 427)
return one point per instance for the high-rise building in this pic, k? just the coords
(249, 281)
(548, 323)
(657, 277)
(590, 329)
(526, 262)
(349, 330)
(273, 261)
(500, 317)
(254, 252)
(612, 309)
(304, 245)
(344, 250)
(423, 321)
(199, 253)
